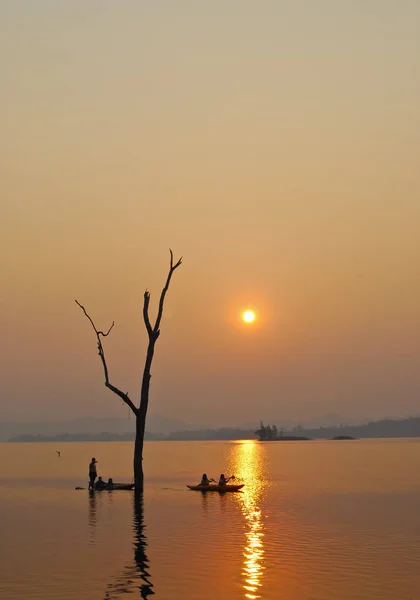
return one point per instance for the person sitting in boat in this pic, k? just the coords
(100, 484)
(110, 484)
(205, 480)
(223, 480)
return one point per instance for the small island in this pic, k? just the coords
(343, 437)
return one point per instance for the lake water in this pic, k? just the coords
(316, 521)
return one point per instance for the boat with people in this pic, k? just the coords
(110, 488)
(216, 488)
(97, 484)
(117, 486)
(222, 485)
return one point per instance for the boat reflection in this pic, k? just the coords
(136, 574)
(247, 464)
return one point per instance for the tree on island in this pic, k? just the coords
(266, 432)
(140, 412)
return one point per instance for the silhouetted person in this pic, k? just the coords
(223, 480)
(110, 484)
(100, 484)
(92, 474)
(205, 480)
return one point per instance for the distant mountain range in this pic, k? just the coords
(385, 428)
(163, 428)
(157, 425)
(85, 437)
(91, 426)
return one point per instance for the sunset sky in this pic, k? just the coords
(275, 145)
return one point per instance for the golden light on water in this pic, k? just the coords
(248, 465)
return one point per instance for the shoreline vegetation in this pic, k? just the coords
(271, 433)
(385, 428)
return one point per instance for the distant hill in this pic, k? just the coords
(84, 437)
(89, 425)
(386, 428)
(226, 433)
(91, 429)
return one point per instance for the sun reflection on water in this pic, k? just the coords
(247, 464)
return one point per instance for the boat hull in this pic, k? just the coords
(119, 486)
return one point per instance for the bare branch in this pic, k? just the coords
(123, 396)
(84, 310)
(172, 266)
(101, 353)
(165, 289)
(146, 312)
(109, 330)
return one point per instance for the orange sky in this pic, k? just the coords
(274, 144)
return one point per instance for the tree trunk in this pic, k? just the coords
(142, 413)
(138, 455)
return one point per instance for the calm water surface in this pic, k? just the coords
(316, 521)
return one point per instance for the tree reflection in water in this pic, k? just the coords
(135, 575)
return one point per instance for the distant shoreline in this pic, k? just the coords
(95, 439)
(82, 437)
(386, 428)
(288, 438)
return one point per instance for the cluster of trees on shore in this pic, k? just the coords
(271, 432)
(268, 432)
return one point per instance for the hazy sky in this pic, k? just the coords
(274, 144)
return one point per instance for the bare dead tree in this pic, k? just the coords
(153, 333)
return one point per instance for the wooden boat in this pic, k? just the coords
(118, 486)
(216, 488)
(114, 488)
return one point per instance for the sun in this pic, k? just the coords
(248, 316)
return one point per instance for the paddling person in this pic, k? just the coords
(205, 480)
(223, 480)
(92, 473)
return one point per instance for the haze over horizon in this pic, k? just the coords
(274, 145)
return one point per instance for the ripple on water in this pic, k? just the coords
(296, 532)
